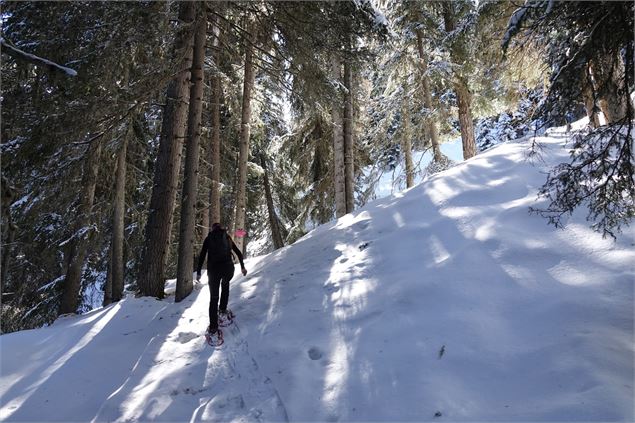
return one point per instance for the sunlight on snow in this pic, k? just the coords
(102, 321)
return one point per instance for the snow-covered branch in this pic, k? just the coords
(18, 54)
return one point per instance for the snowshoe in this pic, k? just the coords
(225, 318)
(214, 339)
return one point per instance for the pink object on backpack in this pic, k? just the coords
(240, 233)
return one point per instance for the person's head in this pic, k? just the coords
(216, 227)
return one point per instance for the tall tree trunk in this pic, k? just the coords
(8, 229)
(427, 99)
(276, 235)
(114, 281)
(463, 96)
(464, 100)
(406, 145)
(205, 225)
(338, 143)
(185, 265)
(159, 225)
(349, 140)
(588, 95)
(214, 207)
(608, 72)
(77, 247)
(241, 193)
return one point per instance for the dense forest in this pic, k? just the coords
(128, 128)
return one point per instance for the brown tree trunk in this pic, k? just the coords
(214, 207)
(241, 193)
(349, 140)
(406, 145)
(427, 99)
(185, 265)
(77, 247)
(158, 228)
(464, 100)
(205, 225)
(338, 143)
(588, 95)
(463, 96)
(276, 236)
(8, 229)
(608, 72)
(114, 281)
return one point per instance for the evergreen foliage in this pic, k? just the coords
(81, 80)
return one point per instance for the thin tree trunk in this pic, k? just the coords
(8, 230)
(185, 265)
(338, 143)
(349, 141)
(108, 285)
(588, 95)
(214, 207)
(114, 282)
(241, 194)
(406, 145)
(76, 252)
(463, 96)
(427, 99)
(158, 228)
(276, 236)
(205, 225)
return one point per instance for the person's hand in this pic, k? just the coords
(198, 276)
(244, 271)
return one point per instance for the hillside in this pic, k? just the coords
(447, 299)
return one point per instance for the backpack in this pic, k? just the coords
(219, 247)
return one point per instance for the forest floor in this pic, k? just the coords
(445, 302)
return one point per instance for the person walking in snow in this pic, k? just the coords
(218, 248)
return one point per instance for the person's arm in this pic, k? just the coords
(236, 250)
(201, 259)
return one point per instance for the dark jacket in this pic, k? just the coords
(212, 261)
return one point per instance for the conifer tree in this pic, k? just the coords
(159, 225)
(185, 267)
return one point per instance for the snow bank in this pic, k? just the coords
(448, 299)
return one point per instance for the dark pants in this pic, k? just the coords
(218, 276)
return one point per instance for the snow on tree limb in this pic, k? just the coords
(36, 60)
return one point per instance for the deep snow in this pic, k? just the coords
(447, 298)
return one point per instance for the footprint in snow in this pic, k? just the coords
(315, 353)
(185, 337)
(331, 287)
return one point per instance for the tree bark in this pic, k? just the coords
(463, 96)
(276, 235)
(245, 127)
(406, 145)
(214, 207)
(338, 143)
(8, 229)
(588, 95)
(77, 247)
(464, 100)
(427, 99)
(349, 140)
(158, 228)
(608, 72)
(185, 265)
(114, 282)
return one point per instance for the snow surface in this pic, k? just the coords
(395, 180)
(448, 298)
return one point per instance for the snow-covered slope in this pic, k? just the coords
(447, 299)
